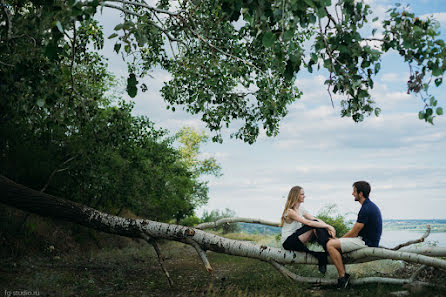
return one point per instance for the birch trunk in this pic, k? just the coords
(24, 198)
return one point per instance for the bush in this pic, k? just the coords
(330, 215)
(215, 215)
(190, 221)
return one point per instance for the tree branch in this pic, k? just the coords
(155, 9)
(6, 64)
(330, 17)
(208, 43)
(360, 281)
(417, 272)
(331, 61)
(202, 255)
(73, 50)
(426, 234)
(141, 16)
(158, 253)
(8, 19)
(236, 220)
(56, 171)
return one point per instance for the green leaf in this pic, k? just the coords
(421, 115)
(119, 27)
(438, 81)
(112, 36)
(288, 35)
(429, 112)
(439, 111)
(377, 111)
(117, 47)
(40, 102)
(375, 19)
(268, 39)
(132, 90)
(377, 67)
(312, 18)
(436, 71)
(374, 31)
(131, 80)
(309, 3)
(59, 26)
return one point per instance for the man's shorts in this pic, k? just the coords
(349, 244)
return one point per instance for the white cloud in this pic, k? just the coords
(439, 16)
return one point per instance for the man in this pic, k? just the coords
(365, 232)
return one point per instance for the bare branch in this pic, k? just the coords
(236, 220)
(426, 234)
(361, 281)
(158, 253)
(8, 19)
(331, 61)
(6, 64)
(312, 280)
(155, 9)
(73, 52)
(432, 251)
(417, 272)
(56, 171)
(208, 43)
(142, 16)
(374, 39)
(202, 254)
(331, 17)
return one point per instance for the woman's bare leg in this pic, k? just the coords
(305, 237)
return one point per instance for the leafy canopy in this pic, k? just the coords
(64, 130)
(235, 61)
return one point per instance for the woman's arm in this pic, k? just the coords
(292, 214)
(310, 217)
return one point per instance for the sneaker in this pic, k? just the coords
(343, 281)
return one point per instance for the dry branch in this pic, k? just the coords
(235, 220)
(158, 253)
(426, 234)
(202, 255)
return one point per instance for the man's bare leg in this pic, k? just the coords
(333, 249)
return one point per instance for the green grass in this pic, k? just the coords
(134, 271)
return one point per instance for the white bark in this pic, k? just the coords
(366, 280)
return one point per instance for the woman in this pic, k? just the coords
(299, 227)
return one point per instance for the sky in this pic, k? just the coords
(402, 157)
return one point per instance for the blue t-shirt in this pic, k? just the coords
(370, 216)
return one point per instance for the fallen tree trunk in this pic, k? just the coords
(24, 198)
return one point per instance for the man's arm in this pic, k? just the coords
(355, 230)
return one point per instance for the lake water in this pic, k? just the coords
(392, 238)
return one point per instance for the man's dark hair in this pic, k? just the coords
(364, 187)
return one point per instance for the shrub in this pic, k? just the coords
(330, 215)
(215, 215)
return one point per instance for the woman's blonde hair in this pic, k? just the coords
(293, 196)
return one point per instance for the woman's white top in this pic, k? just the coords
(288, 229)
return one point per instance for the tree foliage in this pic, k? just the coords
(64, 131)
(331, 216)
(231, 61)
